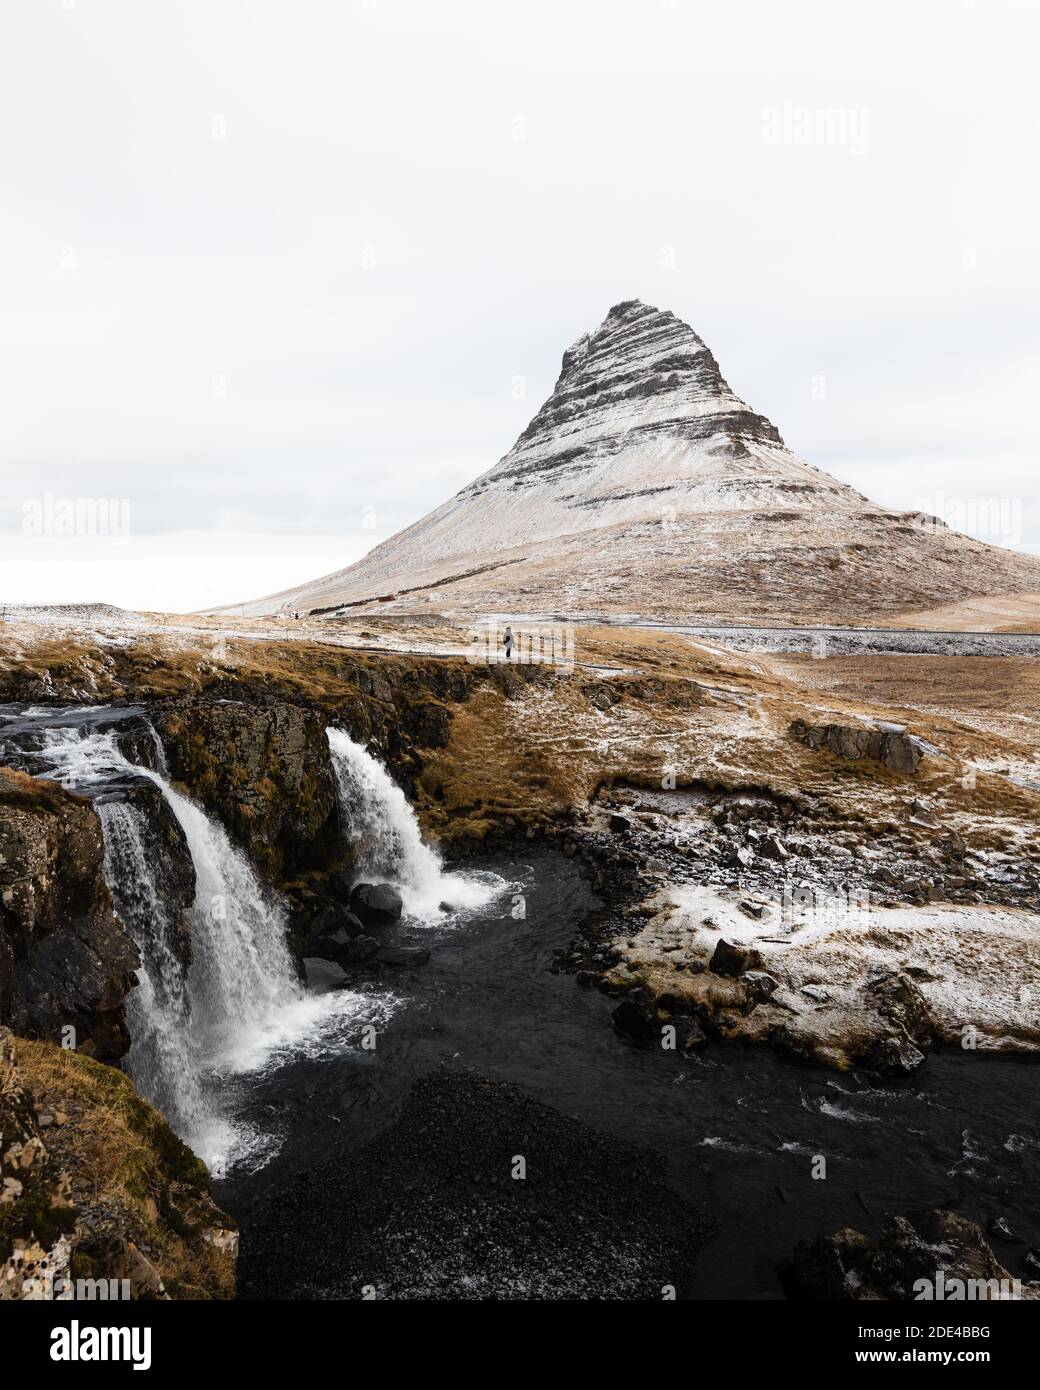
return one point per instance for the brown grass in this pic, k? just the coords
(24, 793)
(121, 1154)
(532, 752)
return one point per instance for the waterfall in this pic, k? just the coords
(241, 1006)
(383, 831)
(241, 971)
(161, 765)
(161, 1059)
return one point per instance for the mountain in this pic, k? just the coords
(645, 485)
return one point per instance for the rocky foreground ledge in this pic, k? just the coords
(96, 1188)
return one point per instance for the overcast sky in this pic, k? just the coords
(280, 277)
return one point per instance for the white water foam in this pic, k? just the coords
(384, 832)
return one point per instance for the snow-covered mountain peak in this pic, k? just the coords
(642, 374)
(645, 484)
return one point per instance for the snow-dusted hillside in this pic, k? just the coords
(644, 485)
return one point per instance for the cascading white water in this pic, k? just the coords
(161, 765)
(162, 1060)
(241, 1004)
(383, 830)
(241, 971)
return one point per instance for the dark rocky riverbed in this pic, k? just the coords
(648, 1168)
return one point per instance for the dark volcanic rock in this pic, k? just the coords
(265, 772)
(732, 958)
(352, 924)
(919, 1246)
(136, 740)
(320, 920)
(999, 1228)
(403, 955)
(65, 960)
(376, 904)
(760, 986)
(901, 1001)
(323, 975)
(435, 1207)
(894, 1056)
(634, 1017)
(774, 848)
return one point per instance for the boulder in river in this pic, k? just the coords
(351, 924)
(376, 904)
(323, 975)
(899, 1000)
(894, 1056)
(999, 1228)
(320, 921)
(634, 1017)
(403, 955)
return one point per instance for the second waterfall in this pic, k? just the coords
(384, 833)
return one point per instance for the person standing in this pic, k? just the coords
(507, 642)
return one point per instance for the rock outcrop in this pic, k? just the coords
(96, 1188)
(898, 751)
(66, 962)
(376, 904)
(264, 771)
(931, 1255)
(37, 1218)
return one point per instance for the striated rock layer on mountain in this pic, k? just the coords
(644, 485)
